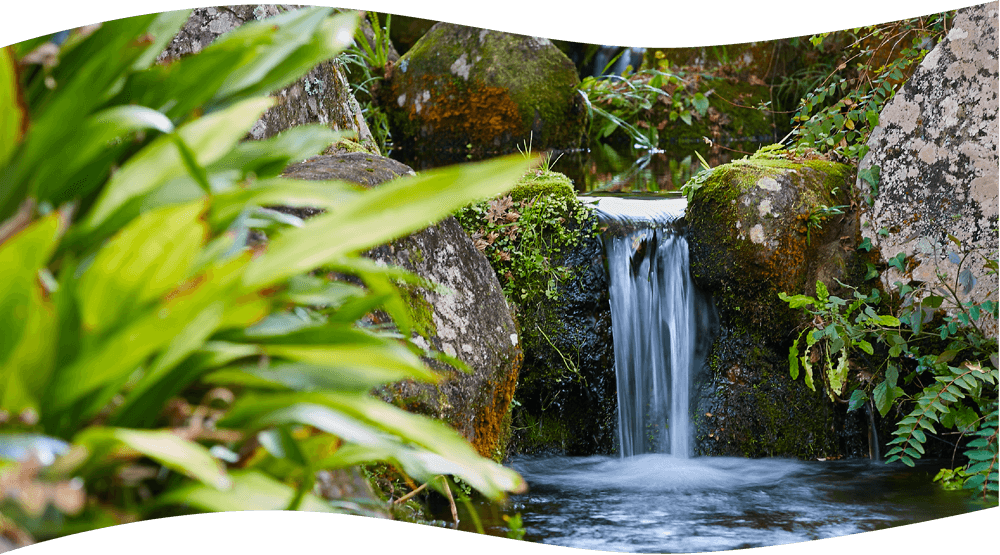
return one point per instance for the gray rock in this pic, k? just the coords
(321, 96)
(936, 149)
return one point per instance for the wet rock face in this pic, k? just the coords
(468, 318)
(460, 86)
(563, 411)
(321, 96)
(936, 150)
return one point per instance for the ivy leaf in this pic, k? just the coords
(858, 398)
(700, 103)
(866, 347)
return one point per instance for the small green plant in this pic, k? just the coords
(545, 166)
(571, 367)
(832, 335)
(698, 179)
(522, 239)
(515, 526)
(951, 479)
(366, 61)
(931, 360)
(819, 214)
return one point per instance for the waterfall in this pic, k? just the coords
(653, 323)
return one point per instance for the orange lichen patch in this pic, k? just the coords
(482, 113)
(490, 416)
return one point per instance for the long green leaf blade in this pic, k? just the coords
(391, 210)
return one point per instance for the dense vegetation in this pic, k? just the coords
(920, 352)
(154, 360)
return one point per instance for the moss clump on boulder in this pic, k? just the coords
(769, 223)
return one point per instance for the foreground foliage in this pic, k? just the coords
(926, 356)
(155, 360)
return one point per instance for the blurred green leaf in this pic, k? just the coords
(13, 115)
(251, 491)
(167, 448)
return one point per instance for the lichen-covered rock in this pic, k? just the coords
(468, 318)
(936, 151)
(460, 86)
(321, 96)
(470, 321)
(749, 240)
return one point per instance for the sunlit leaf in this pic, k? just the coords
(381, 214)
(208, 137)
(145, 260)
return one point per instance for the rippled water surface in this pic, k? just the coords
(657, 503)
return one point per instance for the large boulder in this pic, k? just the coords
(467, 317)
(321, 96)
(935, 151)
(749, 238)
(462, 88)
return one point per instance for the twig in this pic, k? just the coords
(451, 502)
(447, 491)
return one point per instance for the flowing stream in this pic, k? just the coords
(654, 496)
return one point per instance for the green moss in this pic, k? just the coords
(347, 145)
(421, 312)
(554, 185)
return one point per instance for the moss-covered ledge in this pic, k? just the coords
(543, 244)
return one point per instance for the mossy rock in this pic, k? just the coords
(543, 183)
(750, 237)
(460, 86)
(567, 390)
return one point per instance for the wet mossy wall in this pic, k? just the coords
(566, 397)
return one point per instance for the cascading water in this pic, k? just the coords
(657, 497)
(653, 324)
